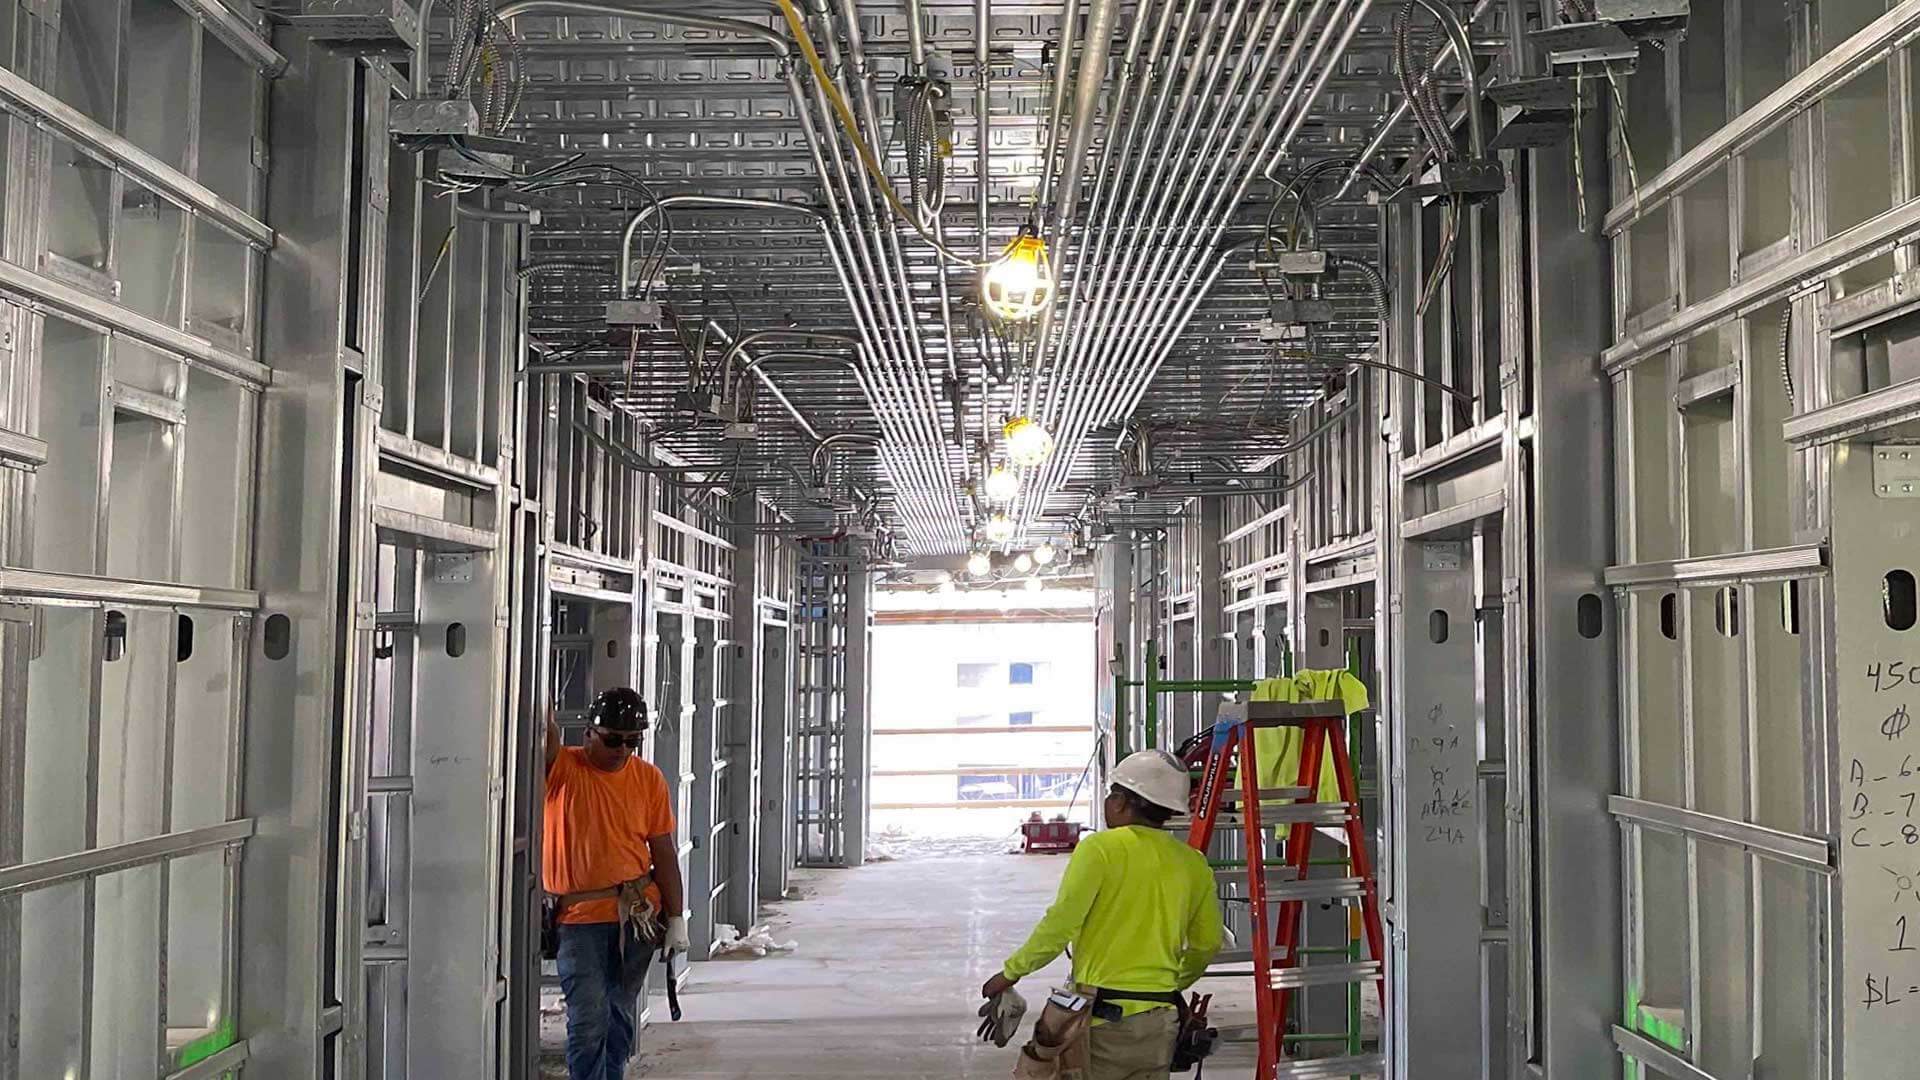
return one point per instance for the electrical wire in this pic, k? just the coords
(1786, 355)
(1620, 130)
(1443, 260)
(1381, 365)
(844, 115)
(1579, 157)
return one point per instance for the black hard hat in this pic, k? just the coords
(619, 709)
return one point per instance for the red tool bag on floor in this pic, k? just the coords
(1049, 837)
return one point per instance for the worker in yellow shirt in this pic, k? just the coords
(1139, 907)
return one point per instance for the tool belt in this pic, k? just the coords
(1193, 1039)
(634, 908)
(638, 917)
(1057, 1048)
(1104, 1009)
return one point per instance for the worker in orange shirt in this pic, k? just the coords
(612, 872)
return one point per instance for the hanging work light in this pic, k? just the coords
(1022, 563)
(979, 565)
(1027, 442)
(1044, 554)
(1019, 284)
(1001, 485)
(999, 528)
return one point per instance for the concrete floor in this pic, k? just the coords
(884, 983)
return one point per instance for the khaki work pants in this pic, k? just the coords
(1139, 1047)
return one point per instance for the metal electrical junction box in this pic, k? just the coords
(1301, 311)
(1472, 178)
(432, 116)
(387, 23)
(1299, 263)
(641, 313)
(1643, 19)
(1572, 44)
(1282, 330)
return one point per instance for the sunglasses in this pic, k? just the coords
(618, 741)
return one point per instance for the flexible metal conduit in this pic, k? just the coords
(842, 438)
(1449, 49)
(624, 286)
(732, 382)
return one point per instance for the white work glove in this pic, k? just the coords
(676, 940)
(1000, 1017)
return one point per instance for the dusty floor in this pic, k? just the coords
(884, 983)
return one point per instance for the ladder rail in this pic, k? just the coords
(1362, 861)
(1232, 752)
(1270, 1005)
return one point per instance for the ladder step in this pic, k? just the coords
(1293, 978)
(1317, 813)
(1341, 888)
(1237, 875)
(1330, 1068)
(1235, 796)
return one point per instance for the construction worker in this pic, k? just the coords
(612, 872)
(1139, 907)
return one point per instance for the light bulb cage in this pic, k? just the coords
(1001, 485)
(1020, 283)
(1028, 443)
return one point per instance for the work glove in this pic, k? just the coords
(1000, 1017)
(676, 939)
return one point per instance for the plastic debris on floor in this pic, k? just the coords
(892, 844)
(757, 941)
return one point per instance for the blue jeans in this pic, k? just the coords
(602, 988)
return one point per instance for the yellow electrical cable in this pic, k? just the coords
(852, 127)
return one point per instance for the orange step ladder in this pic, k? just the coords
(1231, 761)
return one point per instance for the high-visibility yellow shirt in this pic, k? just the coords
(1140, 909)
(1278, 749)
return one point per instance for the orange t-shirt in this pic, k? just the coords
(597, 827)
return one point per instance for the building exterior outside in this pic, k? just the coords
(979, 724)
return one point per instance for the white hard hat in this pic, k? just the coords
(1155, 776)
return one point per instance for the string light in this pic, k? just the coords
(1027, 442)
(999, 528)
(1034, 584)
(1044, 554)
(1001, 485)
(979, 565)
(1019, 284)
(1023, 563)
